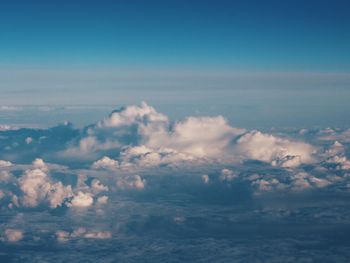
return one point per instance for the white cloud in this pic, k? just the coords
(81, 200)
(205, 178)
(29, 140)
(227, 175)
(198, 137)
(98, 235)
(336, 155)
(131, 182)
(62, 236)
(5, 127)
(302, 181)
(131, 115)
(105, 163)
(10, 108)
(97, 186)
(13, 235)
(334, 135)
(139, 136)
(287, 161)
(82, 232)
(5, 163)
(102, 200)
(38, 188)
(268, 148)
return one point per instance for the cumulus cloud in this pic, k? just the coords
(38, 188)
(330, 134)
(102, 200)
(268, 148)
(29, 140)
(131, 115)
(5, 176)
(82, 232)
(105, 163)
(131, 182)
(336, 155)
(118, 150)
(81, 199)
(12, 235)
(139, 136)
(227, 175)
(5, 163)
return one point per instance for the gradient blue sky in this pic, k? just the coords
(259, 55)
(275, 35)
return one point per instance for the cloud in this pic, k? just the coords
(105, 163)
(10, 108)
(131, 182)
(29, 140)
(227, 175)
(205, 178)
(13, 235)
(123, 149)
(144, 179)
(127, 116)
(37, 187)
(139, 136)
(82, 232)
(102, 200)
(277, 151)
(330, 134)
(81, 200)
(97, 186)
(5, 163)
(5, 127)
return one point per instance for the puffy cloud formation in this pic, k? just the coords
(29, 140)
(82, 200)
(336, 155)
(131, 182)
(294, 182)
(127, 116)
(227, 175)
(12, 235)
(5, 163)
(139, 136)
(268, 148)
(37, 187)
(143, 176)
(97, 186)
(330, 134)
(105, 163)
(117, 152)
(102, 200)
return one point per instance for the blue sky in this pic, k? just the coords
(286, 59)
(268, 35)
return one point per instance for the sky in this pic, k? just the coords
(237, 58)
(174, 131)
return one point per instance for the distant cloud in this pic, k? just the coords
(13, 235)
(10, 108)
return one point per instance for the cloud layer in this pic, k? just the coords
(137, 174)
